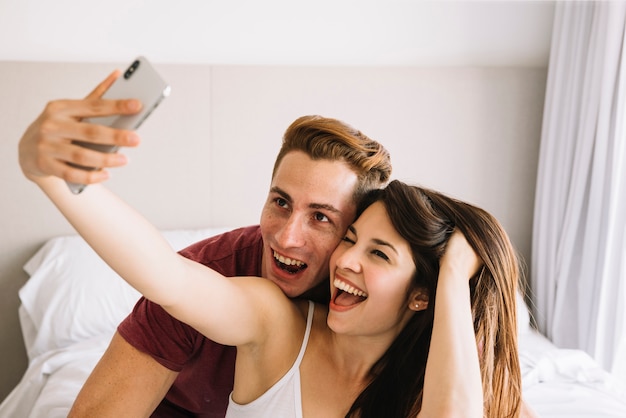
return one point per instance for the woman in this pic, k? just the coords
(425, 219)
(382, 347)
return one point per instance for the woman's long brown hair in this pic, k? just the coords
(426, 219)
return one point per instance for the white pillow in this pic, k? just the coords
(72, 295)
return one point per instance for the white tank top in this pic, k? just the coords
(283, 400)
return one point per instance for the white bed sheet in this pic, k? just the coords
(565, 383)
(53, 380)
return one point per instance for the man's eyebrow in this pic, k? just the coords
(329, 208)
(286, 196)
(377, 241)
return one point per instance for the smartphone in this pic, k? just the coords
(140, 81)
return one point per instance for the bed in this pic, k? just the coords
(72, 303)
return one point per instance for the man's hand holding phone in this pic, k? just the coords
(47, 148)
(68, 138)
(141, 81)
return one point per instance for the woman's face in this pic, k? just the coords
(371, 272)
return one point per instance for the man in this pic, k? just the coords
(154, 362)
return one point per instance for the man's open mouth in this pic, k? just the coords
(347, 295)
(288, 264)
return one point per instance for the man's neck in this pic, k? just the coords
(319, 294)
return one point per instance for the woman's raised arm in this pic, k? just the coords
(452, 385)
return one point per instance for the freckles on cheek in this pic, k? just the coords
(269, 217)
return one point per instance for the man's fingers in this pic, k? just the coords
(85, 157)
(93, 105)
(89, 108)
(104, 85)
(109, 107)
(67, 162)
(100, 134)
(77, 175)
(64, 130)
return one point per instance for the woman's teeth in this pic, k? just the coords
(349, 289)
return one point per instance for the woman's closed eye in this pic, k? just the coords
(347, 239)
(380, 254)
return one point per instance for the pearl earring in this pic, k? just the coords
(417, 305)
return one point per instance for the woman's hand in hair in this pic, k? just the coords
(452, 383)
(460, 259)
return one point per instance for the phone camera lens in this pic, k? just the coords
(133, 67)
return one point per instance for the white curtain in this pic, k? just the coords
(578, 274)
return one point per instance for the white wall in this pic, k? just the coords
(280, 32)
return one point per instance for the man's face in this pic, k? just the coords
(307, 212)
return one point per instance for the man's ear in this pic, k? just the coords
(418, 300)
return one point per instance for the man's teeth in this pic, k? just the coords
(288, 261)
(349, 289)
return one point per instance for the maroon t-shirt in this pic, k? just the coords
(206, 368)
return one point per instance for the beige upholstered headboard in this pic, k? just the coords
(208, 149)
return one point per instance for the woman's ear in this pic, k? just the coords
(418, 300)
